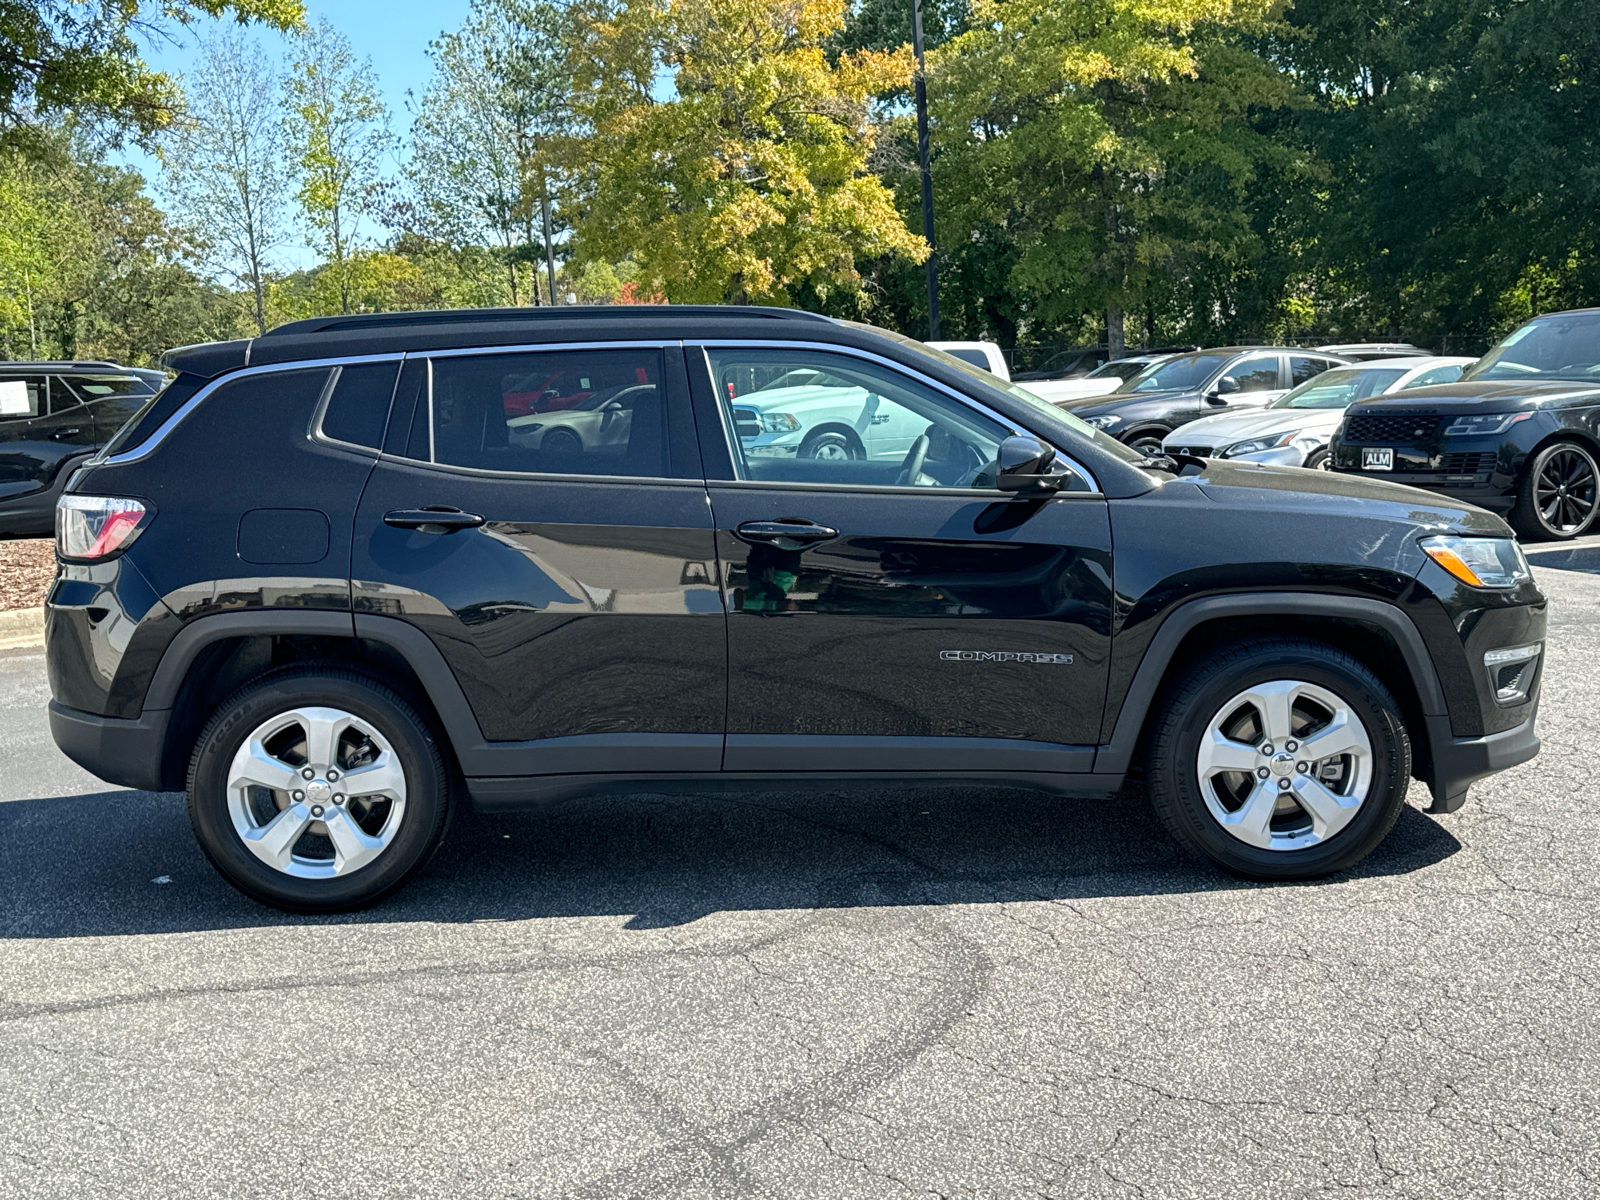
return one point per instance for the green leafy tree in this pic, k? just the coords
(749, 182)
(226, 169)
(79, 58)
(338, 131)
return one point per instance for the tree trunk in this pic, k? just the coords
(1114, 334)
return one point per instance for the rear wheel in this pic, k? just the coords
(1280, 759)
(317, 791)
(1556, 498)
(831, 447)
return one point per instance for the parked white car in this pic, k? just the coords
(598, 423)
(1294, 430)
(980, 354)
(1103, 380)
(813, 415)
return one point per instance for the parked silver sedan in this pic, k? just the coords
(1293, 431)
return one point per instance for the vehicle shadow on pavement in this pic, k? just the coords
(123, 862)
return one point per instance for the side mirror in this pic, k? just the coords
(1226, 386)
(1027, 465)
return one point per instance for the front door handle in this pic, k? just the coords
(786, 533)
(434, 518)
(61, 435)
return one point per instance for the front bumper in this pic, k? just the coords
(1458, 763)
(122, 751)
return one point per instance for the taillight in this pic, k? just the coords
(93, 528)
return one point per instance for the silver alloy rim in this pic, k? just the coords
(316, 793)
(1564, 490)
(832, 451)
(1284, 765)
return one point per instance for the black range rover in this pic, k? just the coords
(1519, 434)
(335, 579)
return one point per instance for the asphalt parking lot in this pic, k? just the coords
(943, 993)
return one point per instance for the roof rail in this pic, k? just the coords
(547, 312)
(63, 362)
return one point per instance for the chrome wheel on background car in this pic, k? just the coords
(316, 792)
(316, 789)
(830, 447)
(1284, 765)
(1557, 497)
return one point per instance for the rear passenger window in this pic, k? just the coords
(21, 397)
(358, 408)
(1303, 367)
(579, 412)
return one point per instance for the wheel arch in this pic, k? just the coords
(1377, 634)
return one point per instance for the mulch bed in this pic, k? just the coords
(26, 567)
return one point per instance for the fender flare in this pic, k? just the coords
(1117, 755)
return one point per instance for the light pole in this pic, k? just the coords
(927, 175)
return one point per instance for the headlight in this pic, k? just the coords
(1488, 423)
(1258, 444)
(1105, 422)
(778, 423)
(1479, 562)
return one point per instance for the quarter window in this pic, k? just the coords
(581, 412)
(803, 416)
(358, 409)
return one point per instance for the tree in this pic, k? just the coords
(338, 131)
(67, 57)
(1094, 146)
(749, 182)
(499, 88)
(224, 161)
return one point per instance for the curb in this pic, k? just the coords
(22, 629)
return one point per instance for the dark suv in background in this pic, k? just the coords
(1519, 434)
(336, 576)
(1187, 387)
(53, 415)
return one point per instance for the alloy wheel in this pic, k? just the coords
(1284, 765)
(1564, 489)
(316, 793)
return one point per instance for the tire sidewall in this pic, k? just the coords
(808, 449)
(427, 791)
(1385, 792)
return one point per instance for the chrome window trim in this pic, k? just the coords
(316, 433)
(540, 347)
(705, 345)
(166, 427)
(991, 495)
(539, 477)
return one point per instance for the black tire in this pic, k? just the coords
(562, 441)
(1542, 488)
(1173, 774)
(1318, 460)
(427, 785)
(1147, 441)
(831, 444)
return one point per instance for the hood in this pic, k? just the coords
(1294, 490)
(1094, 405)
(1058, 390)
(1496, 395)
(1224, 429)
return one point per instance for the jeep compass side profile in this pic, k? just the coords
(332, 581)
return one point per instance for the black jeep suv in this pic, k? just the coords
(53, 415)
(1518, 434)
(336, 576)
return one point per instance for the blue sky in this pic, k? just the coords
(394, 35)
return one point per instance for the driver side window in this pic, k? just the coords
(805, 416)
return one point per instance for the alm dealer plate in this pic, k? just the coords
(1377, 458)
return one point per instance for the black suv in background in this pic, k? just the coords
(52, 416)
(1519, 434)
(336, 576)
(1153, 403)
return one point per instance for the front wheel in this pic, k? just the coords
(1280, 759)
(1147, 443)
(1318, 460)
(317, 791)
(830, 447)
(1556, 498)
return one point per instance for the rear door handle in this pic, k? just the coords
(61, 435)
(786, 533)
(435, 518)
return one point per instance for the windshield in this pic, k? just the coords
(1341, 387)
(1177, 374)
(1059, 416)
(1120, 368)
(1566, 346)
